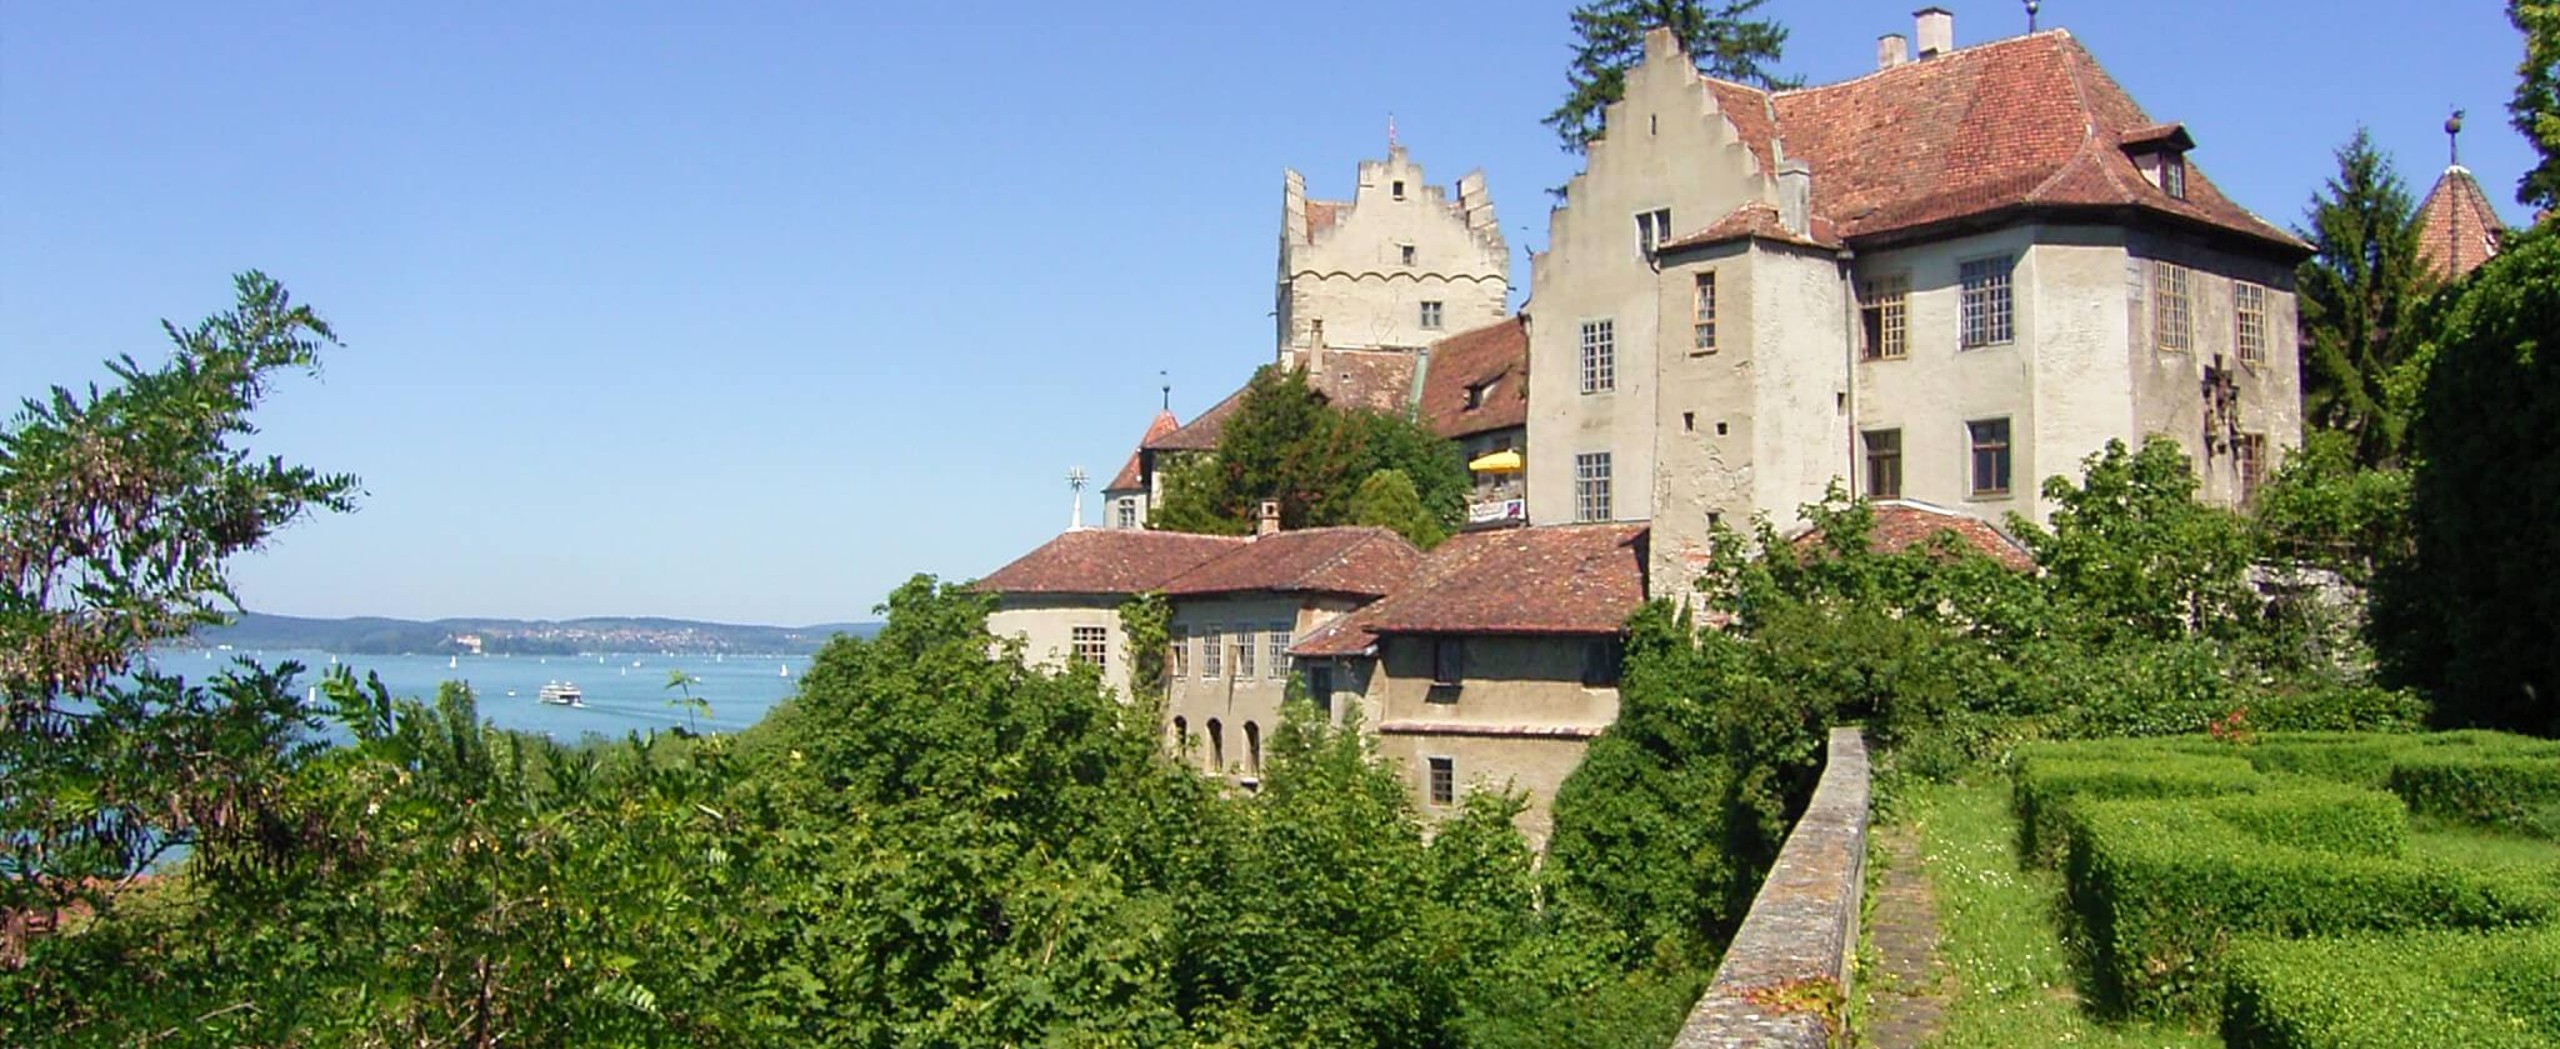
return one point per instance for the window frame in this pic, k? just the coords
(1090, 644)
(2249, 463)
(1987, 301)
(1213, 652)
(1434, 314)
(2004, 449)
(1653, 230)
(1884, 317)
(1246, 637)
(1440, 779)
(1594, 499)
(1702, 312)
(2249, 322)
(2173, 173)
(2173, 325)
(1599, 356)
(1407, 255)
(1178, 663)
(1276, 638)
(1124, 510)
(1877, 457)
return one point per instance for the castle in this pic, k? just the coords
(1933, 285)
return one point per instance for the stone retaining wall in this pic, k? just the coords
(1785, 978)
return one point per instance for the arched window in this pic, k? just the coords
(1217, 747)
(1181, 733)
(1252, 750)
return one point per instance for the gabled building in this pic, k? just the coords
(1061, 602)
(1397, 266)
(1944, 280)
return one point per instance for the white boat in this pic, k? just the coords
(450, 662)
(786, 670)
(563, 694)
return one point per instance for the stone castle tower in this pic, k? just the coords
(1399, 266)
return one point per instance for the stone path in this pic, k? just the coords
(1905, 995)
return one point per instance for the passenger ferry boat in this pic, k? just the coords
(563, 693)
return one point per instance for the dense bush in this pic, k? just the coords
(2516, 791)
(2159, 887)
(2492, 990)
(2050, 780)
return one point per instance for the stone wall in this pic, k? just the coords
(1785, 978)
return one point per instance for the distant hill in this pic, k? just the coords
(374, 635)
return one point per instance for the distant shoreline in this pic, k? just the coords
(598, 635)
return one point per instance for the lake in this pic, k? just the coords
(625, 691)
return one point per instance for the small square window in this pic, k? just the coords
(1653, 229)
(1396, 189)
(1688, 422)
(1443, 777)
(1092, 645)
(1405, 254)
(1431, 316)
(1990, 457)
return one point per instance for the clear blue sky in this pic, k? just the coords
(748, 311)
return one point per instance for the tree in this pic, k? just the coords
(1723, 39)
(1287, 443)
(2359, 293)
(1387, 500)
(2474, 615)
(2535, 108)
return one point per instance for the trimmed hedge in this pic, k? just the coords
(2475, 990)
(2159, 887)
(2050, 781)
(2498, 789)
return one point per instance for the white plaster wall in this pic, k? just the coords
(1232, 699)
(1353, 278)
(1045, 624)
(1511, 683)
(1668, 146)
(2168, 385)
(1931, 394)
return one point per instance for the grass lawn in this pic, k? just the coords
(1999, 932)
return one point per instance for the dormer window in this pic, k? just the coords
(2160, 153)
(1475, 394)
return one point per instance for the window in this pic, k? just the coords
(1404, 254)
(1591, 487)
(1431, 315)
(2169, 313)
(1475, 395)
(1688, 422)
(1985, 313)
(1443, 777)
(1217, 746)
(1396, 189)
(1320, 688)
(1884, 311)
(1244, 653)
(1179, 666)
(2173, 174)
(1276, 636)
(1653, 229)
(1448, 661)
(1599, 356)
(1124, 511)
(1181, 733)
(2249, 454)
(1990, 457)
(1092, 645)
(1601, 660)
(1253, 750)
(1884, 463)
(2249, 321)
(1703, 318)
(1212, 653)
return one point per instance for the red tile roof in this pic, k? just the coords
(1363, 562)
(2457, 229)
(1759, 220)
(1902, 524)
(1322, 215)
(1378, 380)
(1560, 579)
(1107, 561)
(2030, 122)
(1129, 478)
(1494, 357)
(1201, 434)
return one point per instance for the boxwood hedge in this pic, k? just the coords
(2478, 990)
(2049, 782)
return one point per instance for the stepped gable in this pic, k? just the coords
(2457, 229)
(1106, 561)
(1558, 579)
(1358, 562)
(1495, 357)
(1901, 524)
(1131, 477)
(1971, 137)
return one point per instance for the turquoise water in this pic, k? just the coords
(625, 691)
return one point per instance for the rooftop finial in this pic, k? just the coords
(1391, 133)
(1167, 387)
(1075, 483)
(2032, 7)
(2453, 136)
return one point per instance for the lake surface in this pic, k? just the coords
(625, 691)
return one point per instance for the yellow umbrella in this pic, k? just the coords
(1505, 461)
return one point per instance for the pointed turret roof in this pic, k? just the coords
(2457, 229)
(1131, 477)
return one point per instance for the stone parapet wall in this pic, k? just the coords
(1785, 977)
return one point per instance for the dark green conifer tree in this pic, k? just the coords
(1609, 40)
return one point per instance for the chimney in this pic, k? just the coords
(1267, 518)
(1892, 50)
(1795, 197)
(1936, 31)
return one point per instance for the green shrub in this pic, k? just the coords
(2358, 758)
(2476, 990)
(2159, 888)
(2052, 778)
(2339, 708)
(2320, 817)
(2504, 788)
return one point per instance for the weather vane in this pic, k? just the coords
(1167, 387)
(1075, 483)
(2453, 136)
(2032, 7)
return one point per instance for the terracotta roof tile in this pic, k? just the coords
(2027, 122)
(1201, 434)
(1129, 479)
(1378, 380)
(1494, 358)
(1560, 579)
(1901, 524)
(2457, 229)
(1755, 219)
(1106, 561)
(1365, 562)
(1747, 108)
